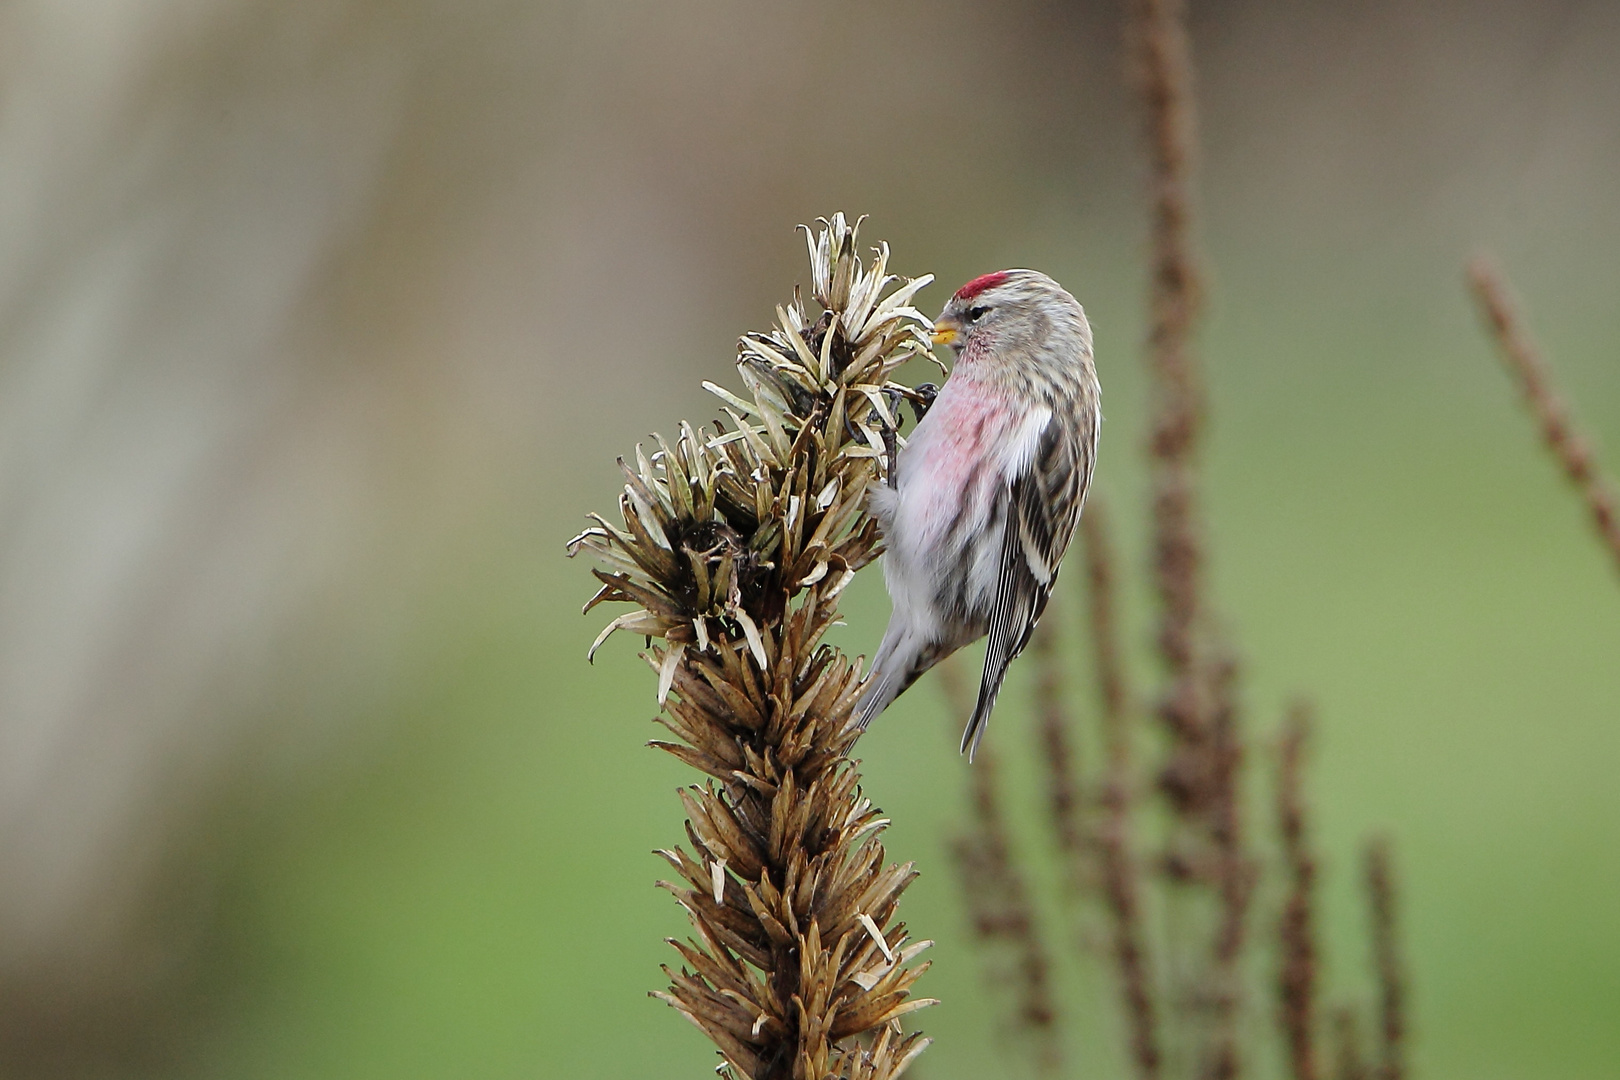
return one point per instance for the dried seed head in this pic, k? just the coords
(735, 545)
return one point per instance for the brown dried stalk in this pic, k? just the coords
(1296, 930)
(1205, 861)
(1389, 968)
(1234, 874)
(999, 902)
(1059, 756)
(1165, 80)
(1572, 449)
(1348, 1062)
(1116, 858)
(1102, 582)
(734, 548)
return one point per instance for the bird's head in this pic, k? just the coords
(1013, 310)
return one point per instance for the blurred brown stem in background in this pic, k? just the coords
(1205, 862)
(1165, 80)
(1233, 872)
(1064, 797)
(1348, 1062)
(1117, 864)
(1183, 1022)
(1572, 449)
(1388, 965)
(1000, 905)
(1296, 930)
(1113, 689)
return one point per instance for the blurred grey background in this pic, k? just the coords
(321, 325)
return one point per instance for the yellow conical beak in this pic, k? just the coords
(944, 333)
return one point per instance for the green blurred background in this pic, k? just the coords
(325, 321)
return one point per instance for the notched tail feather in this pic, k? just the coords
(974, 732)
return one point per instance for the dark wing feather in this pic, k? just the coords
(1042, 509)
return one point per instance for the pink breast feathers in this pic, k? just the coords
(954, 474)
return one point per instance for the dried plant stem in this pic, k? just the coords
(1348, 1062)
(1165, 78)
(1296, 931)
(1232, 873)
(1117, 864)
(1211, 878)
(1572, 449)
(734, 549)
(1059, 756)
(1102, 582)
(1000, 904)
(1387, 963)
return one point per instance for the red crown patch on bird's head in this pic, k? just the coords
(981, 283)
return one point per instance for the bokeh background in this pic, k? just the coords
(323, 321)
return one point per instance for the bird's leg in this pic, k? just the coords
(891, 439)
(891, 442)
(922, 399)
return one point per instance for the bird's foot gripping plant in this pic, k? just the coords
(734, 547)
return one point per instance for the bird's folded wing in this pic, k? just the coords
(1042, 509)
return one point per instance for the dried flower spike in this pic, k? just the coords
(1296, 930)
(734, 547)
(1001, 907)
(1552, 414)
(1118, 867)
(1206, 860)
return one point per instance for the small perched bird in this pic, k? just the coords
(985, 496)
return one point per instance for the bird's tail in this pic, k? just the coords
(900, 661)
(884, 689)
(989, 687)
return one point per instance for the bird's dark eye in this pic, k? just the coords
(975, 314)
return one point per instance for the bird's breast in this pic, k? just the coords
(952, 468)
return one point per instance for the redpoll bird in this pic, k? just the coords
(985, 496)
